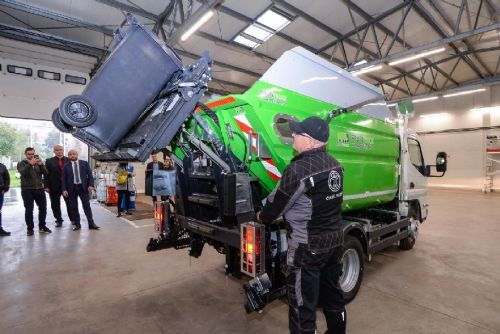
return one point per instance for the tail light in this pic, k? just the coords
(252, 249)
(160, 216)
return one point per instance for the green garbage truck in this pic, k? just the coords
(230, 152)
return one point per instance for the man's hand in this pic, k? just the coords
(46, 189)
(90, 189)
(32, 162)
(39, 162)
(65, 193)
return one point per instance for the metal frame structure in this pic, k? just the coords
(350, 47)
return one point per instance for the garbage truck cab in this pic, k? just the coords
(230, 154)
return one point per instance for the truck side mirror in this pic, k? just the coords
(441, 165)
(441, 162)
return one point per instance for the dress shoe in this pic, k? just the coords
(93, 227)
(4, 233)
(45, 229)
(76, 227)
(119, 214)
(29, 233)
(58, 224)
(128, 213)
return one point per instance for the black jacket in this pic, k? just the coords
(54, 180)
(149, 166)
(309, 196)
(4, 178)
(31, 176)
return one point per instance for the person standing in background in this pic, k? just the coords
(78, 182)
(53, 183)
(4, 187)
(32, 172)
(123, 186)
(152, 166)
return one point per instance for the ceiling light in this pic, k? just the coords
(486, 109)
(420, 55)
(425, 99)
(367, 70)
(391, 105)
(441, 114)
(274, 20)
(197, 25)
(465, 92)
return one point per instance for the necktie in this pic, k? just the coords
(76, 171)
(60, 161)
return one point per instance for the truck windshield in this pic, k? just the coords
(416, 155)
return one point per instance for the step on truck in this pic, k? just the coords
(230, 152)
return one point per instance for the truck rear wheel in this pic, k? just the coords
(352, 268)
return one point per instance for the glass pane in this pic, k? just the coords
(415, 153)
(257, 32)
(246, 42)
(273, 20)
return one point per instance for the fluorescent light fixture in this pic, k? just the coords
(391, 105)
(441, 114)
(465, 92)
(197, 25)
(486, 109)
(246, 42)
(420, 55)
(272, 19)
(258, 32)
(425, 99)
(367, 70)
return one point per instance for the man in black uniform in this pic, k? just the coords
(32, 173)
(53, 183)
(309, 196)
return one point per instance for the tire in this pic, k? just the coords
(352, 268)
(78, 111)
(59, 123)
(409, 242)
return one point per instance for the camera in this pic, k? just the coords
(255, 291)
(37, 156)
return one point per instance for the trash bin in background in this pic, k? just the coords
(137, 69)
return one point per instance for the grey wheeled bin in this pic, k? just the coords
(139, 66)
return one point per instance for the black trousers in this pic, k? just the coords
(55, 205)
(163, 198)
(312, 278)
(30, 197)
(73, 204)
(122, 193)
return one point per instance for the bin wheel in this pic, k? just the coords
(59, 123)
(78, 111)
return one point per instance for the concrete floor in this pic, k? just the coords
(105, 282)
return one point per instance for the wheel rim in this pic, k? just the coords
(350, 270)
(79, 110)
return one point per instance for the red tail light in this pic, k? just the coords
(159, 216)
(252, 238)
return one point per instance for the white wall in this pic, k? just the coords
(466, 149)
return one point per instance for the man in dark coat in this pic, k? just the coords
(53, 183)
(4, 187)
(78, 182)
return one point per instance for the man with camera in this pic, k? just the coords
(32, 172)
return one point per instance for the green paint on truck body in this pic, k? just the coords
(367, 148)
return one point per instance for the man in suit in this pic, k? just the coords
(78, 182)
(152, 166)
(4, 187)
(53, 183)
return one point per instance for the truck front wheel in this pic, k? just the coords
(352, 268)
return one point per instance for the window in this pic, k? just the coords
(49, 75)
(75, 79)
(416, 155)
(20, 70)
(266, 25)
(282, 128)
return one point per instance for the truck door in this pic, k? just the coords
(416, 181)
